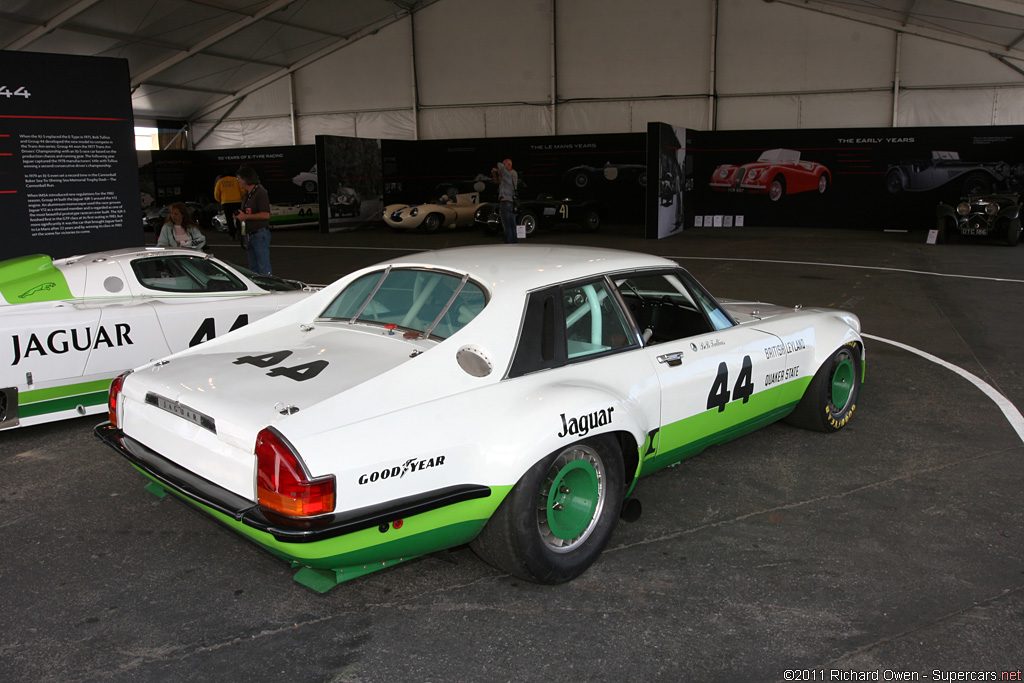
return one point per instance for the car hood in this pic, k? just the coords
(747, 311)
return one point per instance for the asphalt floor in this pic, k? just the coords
(891, 550)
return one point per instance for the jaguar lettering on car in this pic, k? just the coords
(76, 339)
(581, 426)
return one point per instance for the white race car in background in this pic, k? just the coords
(70, 326)
(431, 217)
(509, 397)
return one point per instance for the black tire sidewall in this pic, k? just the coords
(522, 551)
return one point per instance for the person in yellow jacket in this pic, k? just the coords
(228, 194)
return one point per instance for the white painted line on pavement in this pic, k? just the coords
(1013, 416)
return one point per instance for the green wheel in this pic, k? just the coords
(560, 516)
(831, 397)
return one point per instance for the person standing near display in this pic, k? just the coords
(255, 216)
(228, 194)
(179, 230)
(507, 181)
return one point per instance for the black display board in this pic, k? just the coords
(874, 178)
(68, 181)
(611, 168)
(350, 172)
(288, 172)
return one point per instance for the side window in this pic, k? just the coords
(185, 275)
(669, 306)
(593, 320)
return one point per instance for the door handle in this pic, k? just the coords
(672, 359)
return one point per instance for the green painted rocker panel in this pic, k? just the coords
(691, 435)
(35, 402)
(420, 534)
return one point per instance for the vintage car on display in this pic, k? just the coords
(508, 397)
(431, 217)
(621, 174)
(986, 215)
(74, 324)
(544, 211)
(345, 202)
(971, 177)
(777, 173)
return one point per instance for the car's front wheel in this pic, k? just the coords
(822, 183)
(1013, 232)
(432, 223)
(777, 189)
(831, 397)
(559, 517)
(592, 221)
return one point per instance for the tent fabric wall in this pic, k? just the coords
(460, 68)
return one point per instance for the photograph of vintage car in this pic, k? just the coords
(504, 396)
(74, 324)
(344, 202)
(446, 213)
(307, 180)
(621, 174)
(985, 215)
(545, 211)
(971, 177)
(776, 173)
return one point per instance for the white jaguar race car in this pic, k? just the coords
(74, 324)
(508, 397)
(460, 212)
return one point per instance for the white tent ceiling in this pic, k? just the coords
(196, 59)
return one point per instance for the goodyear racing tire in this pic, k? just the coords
(559, 517)
(1013, 232)
(831, 397)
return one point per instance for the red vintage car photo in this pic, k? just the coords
(777, 172)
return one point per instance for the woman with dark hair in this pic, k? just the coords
(180, 230)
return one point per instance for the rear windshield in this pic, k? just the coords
(429, 302)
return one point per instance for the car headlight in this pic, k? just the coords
(753, 174)
(992, 209)
(963, 208)
(723, 172)
(413, 212)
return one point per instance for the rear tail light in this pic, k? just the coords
(114, 397)
(282, 483)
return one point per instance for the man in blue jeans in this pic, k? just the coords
(255, 212)
(508, 181)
